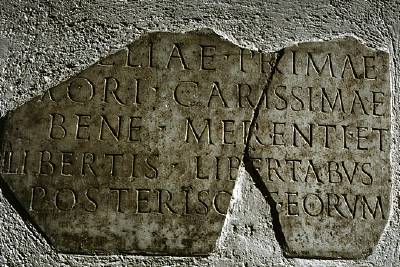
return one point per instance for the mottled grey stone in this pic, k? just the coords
(320, 148)
(139, 153)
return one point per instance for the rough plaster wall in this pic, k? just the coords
(44, 42)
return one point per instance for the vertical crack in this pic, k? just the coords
(257, 179)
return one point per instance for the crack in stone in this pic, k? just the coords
(292, 235)
(257, 179)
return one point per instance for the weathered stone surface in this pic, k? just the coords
(138, 153)
(323, 148)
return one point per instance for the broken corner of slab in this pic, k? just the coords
(319, 149)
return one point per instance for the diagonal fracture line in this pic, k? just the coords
(258, 181)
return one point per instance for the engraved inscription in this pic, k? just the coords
(324, 143)
(139, 153)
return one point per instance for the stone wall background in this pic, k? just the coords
(44, 42)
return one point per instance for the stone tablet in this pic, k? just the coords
(139, 153)
(320, 143)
